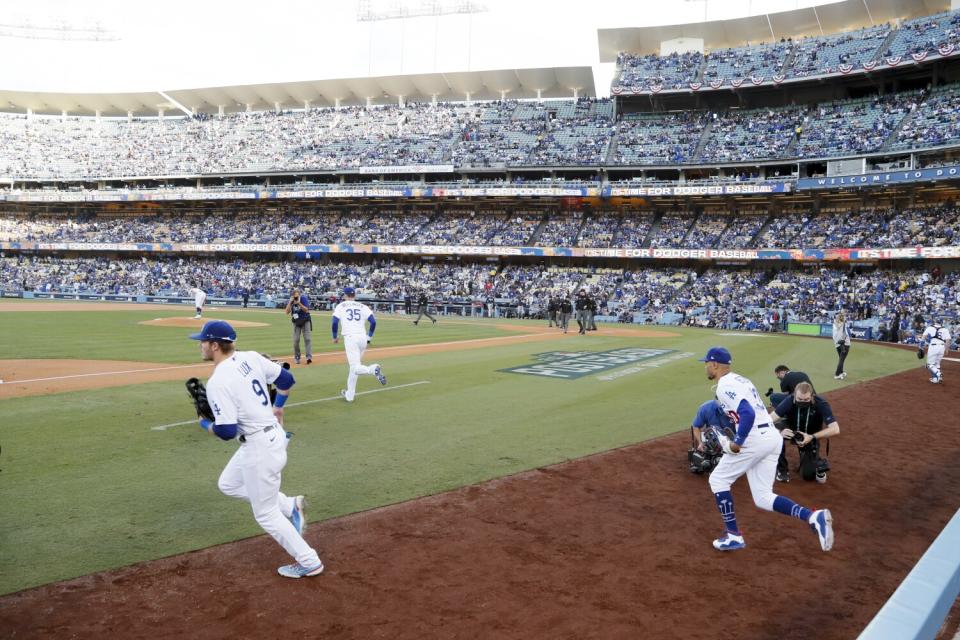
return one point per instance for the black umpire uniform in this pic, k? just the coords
(807, 418)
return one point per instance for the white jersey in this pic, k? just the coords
(352, 316)
(731, 390)
(841, 333)
(238, 394)
(936, 336)
(199, 296)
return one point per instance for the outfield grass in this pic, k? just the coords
(87, 484)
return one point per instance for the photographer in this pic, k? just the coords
(807, 419)
(298, 308)
(788, 384)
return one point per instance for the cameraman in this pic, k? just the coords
(806, 420)
(298, 308)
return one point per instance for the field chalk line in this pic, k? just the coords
(164, 427)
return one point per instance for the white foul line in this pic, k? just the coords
(110, 373)
(164, 427)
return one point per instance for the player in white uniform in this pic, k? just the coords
(753, 451)
(199, 297)
(238, 396)
(350, 318)
(936, 337)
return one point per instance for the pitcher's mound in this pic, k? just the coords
(198, 322)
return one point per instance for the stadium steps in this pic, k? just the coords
(610, 157)
(576, 237)
(698, 77)
(702, 142)
(693, 225)
(762, 230)
(413, 236)
(532, 241)
(654, 229)
(892, 138)
(794, 139)
(788, 60)
(730, 222)
(884, 45)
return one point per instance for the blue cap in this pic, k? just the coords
(349, 291)
(217, 330)
(718, 355)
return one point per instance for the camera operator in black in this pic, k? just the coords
(298, 308)
(788, 383)
(806, 419)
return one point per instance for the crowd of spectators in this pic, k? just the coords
(582, 132)
(732, 298)
(865, 227)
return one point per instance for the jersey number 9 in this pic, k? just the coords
(258, 390)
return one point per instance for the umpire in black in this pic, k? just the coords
(788, 383)
(805, 419)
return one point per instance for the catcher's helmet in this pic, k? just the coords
(216, 330)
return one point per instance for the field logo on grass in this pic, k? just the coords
(576, 364)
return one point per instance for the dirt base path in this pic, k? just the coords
(616, 545)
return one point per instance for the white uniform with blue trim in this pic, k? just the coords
(759, 451)
(237, 392)
(199, 297)
(353, 316)
(938, 338)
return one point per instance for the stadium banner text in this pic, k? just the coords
(317, 250)
(951, 172)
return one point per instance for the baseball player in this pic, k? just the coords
(199, 297)
(423, 308)
(936, 338)
(349, 318)
(841, 340)
(753, 451)
(238, 396)
(710, 415)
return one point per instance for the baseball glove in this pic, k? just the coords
(920, 354)
(198, 393)
(272, 389)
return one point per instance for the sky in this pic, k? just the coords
(179, 44)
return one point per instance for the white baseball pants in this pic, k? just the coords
(253, 474)
(355, 346)
(757, 459)
(934, 356)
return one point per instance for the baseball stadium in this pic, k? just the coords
(477, 319)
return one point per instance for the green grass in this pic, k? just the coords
(87, 484)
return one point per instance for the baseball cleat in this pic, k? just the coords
(822, 477)
(416, 322)
(380, 377)
(343, 394)
(729, 542)
(434, 321)
(783, 476)
(822, 523)
(309, 360)
(196, 317)
(297, 570)
(298, 519)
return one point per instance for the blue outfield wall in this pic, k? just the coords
(918, 607)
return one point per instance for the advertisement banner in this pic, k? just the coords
(700, 189)
(931, 174)
(408, 168)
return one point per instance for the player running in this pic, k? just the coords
(753, 451)
(241, 406)
(349, 318)
(936, 338)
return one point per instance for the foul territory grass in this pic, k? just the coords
(87, 484)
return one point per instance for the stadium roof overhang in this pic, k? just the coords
(551, 82)
(822, 19)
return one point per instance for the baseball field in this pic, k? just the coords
(508, 478)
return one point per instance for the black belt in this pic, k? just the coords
(264, 430)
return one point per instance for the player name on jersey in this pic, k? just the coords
(576, 364)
